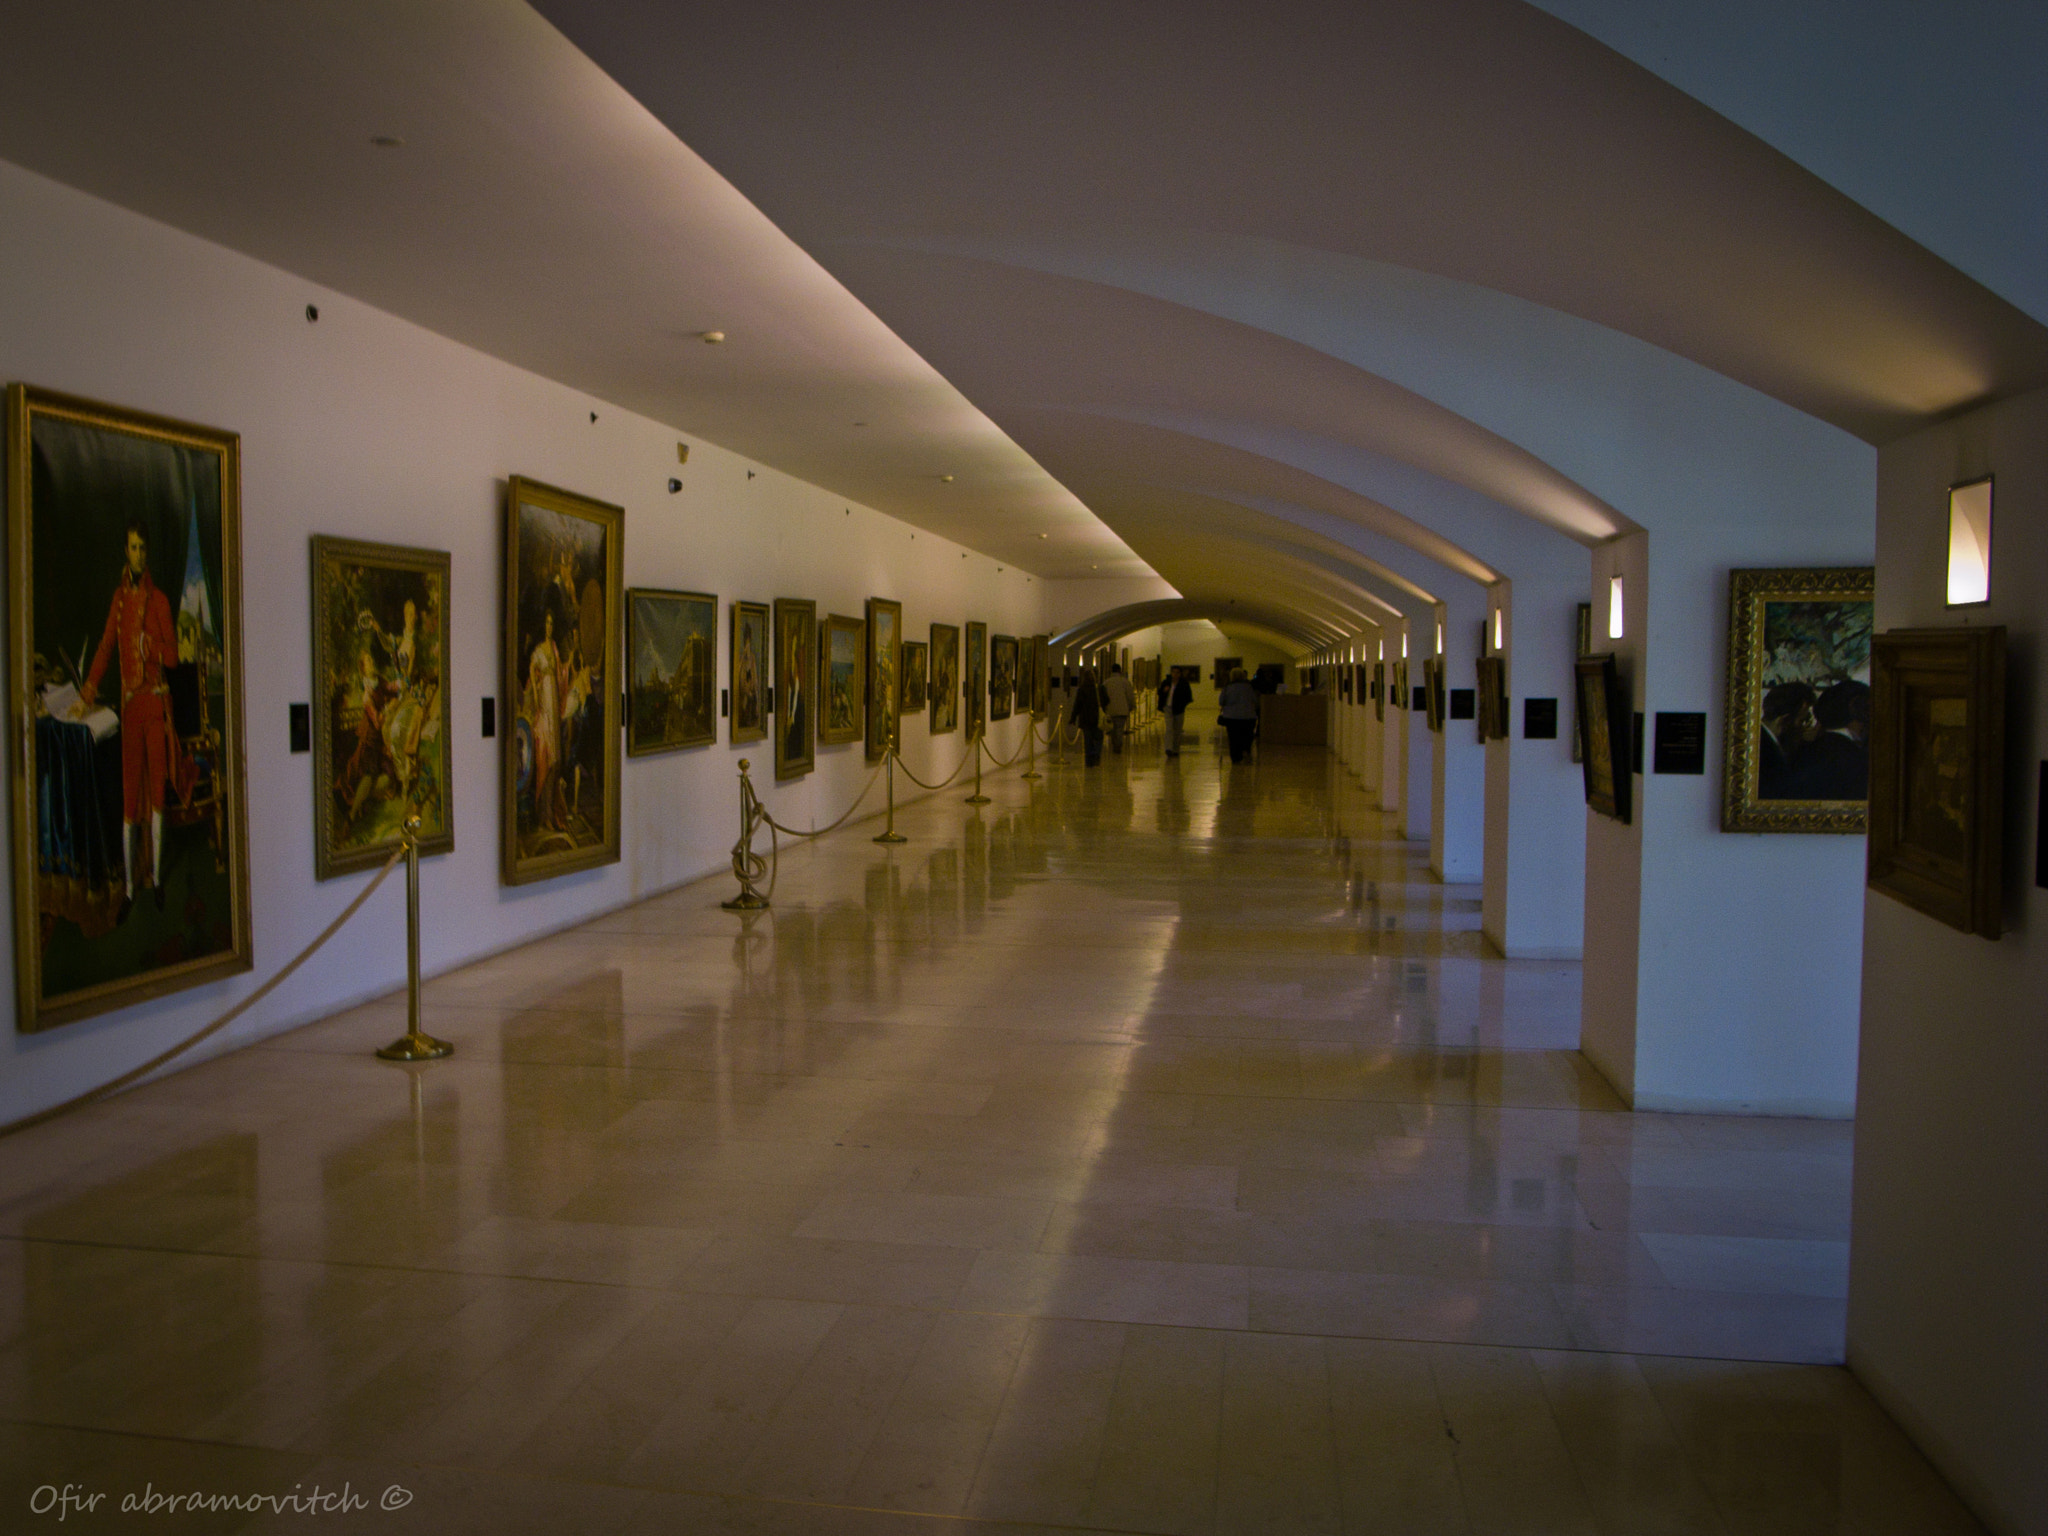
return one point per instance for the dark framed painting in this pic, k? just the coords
(1401, 696)
(748, 671)
(842, 678)
(1379, 690)
(1605, 722)
(796, 660)
(1797, 748)
(1002, 676)
(1937, 785)
(1493, 698)
(945, 679)
(131, 831)
(1038, 696)
(1433, 690)
(672, 676)
(1344, 684)
(916, 676)
(974, 677)
(382, 735)
(559, 797)
(885, 677)
(1582, 646)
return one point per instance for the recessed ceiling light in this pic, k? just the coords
(711, 338)
(386, 140)
(945, 479)
(860, 423)
(1045, 535)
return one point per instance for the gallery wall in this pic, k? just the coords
(366, 426)
(1948, 1250)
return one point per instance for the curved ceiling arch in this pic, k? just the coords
(1129, 619)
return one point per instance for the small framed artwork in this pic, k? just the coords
(1937, 785)
(1344, 684)
(1433, 684)
(1582, 646)
(672, 692)
(1493, 698)
(1605, 711)
(748, 667)
(382, 745)
(1041, 660)
(842, 676)
(1400, 686)
(1002, 676)
(124, 661)
(974, 677)
(916, 673)
(1379, 690)
(885, 677)
(559, 796)
(796, 660)
(945, 679)
(1797, 751)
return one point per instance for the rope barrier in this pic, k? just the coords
(960, 768)
(117, 1084)
(769, 816)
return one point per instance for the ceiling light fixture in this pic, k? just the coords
(386, 140)
(711, 338)
(1615, 625)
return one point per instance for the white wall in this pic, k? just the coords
(1071, 599)
(1949, 1249)
(366, 426)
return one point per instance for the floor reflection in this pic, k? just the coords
(1157, 1148)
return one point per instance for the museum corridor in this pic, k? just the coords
(1156, 1149)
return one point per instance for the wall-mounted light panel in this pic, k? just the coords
(1969, 543)
(1615, 627)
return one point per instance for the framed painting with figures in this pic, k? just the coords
(1606, 722)
(381, 731)
(945, 679)
(916, 672)
(672, 670)
(559, 794)
(131, 863)
(1002, 676)
(974, 677)
(796, 661)
(748, 664)
(842, 674)
(885, 677)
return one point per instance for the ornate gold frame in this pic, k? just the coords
(974, 677)
(1008, 700)
(917, 662)
(884, 683)
(327, 863)
(799, 650)
(764, 669)
(512, 869)
(704, 738)
(945, 638)
(836, 624)
(32, 1011)
(1748, 592)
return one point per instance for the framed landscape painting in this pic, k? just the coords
(885, 677)
(1605, 720)
(796, 660)
(559, 797)
(842, 671)
(748, 667)
(131, 859)
(1002, 676)
(672, 689)
(916, 673)
(381, 728)
(974, 677)
(945, 679)
(1797, 749)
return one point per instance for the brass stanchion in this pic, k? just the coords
(977, 798)
(413, 1046)
(747, 865)
(889, 834)
(1031, 737)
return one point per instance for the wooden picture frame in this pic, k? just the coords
(748, 669)
(1582, 646)
(671, 670)
(945, 679)
(1493, 698)
(1041, 663)
(383, 735)
(974, 676)
(1402, 696)
(1937, 782)
(1606, 721)
(1796, 753)
(137, 884)
(916, 677)
(1002, 676)
(883, 725)
(561, 683)
(1379, 690)
(842, 680)
(796, 662)
(1433, 687)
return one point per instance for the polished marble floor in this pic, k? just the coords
(1156, 1149)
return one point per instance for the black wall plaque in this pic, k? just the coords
(490, 717)
(1539, 719)
(2041, 832)
(1681, 745)
(1464, 704)
(302, 727)
(1421, 697)
(724, 703)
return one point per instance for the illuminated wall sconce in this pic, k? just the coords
(1969, 543)
(1404, 645)
(1379, 650)
(1439, 637)
(1499, 630)
(1614, 609)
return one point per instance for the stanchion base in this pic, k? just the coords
(979, 800)
(416, 1047)
(891, 837)
(746, 901)
(1030, 775)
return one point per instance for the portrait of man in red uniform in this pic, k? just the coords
(141, 640)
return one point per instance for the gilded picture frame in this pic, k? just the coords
(795, 700)
(748, 669)
(383, 736)
(1493, 698)
(137, 883)
(1606, 720)
(974, 676)
(671, 670)
(1403, 698)
(945, 679)
(1041, 661)
(916, 677)
(1795, 749)
(842, 678)
(885, 677)
(1002, 676)
(1937, 783)
(561, 683)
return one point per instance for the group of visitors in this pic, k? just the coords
(1095, 709)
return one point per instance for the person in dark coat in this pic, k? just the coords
(1085, 714)
(1175, 695)
(1788, 729)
